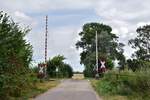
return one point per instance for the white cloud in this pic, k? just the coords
(21, 15)
(143, 23)
(23, 19)
(124, 17)
(115, 31)
(44, 5)
(123, 10)
(124, 30)
(61, 40)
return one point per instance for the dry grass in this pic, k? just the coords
(115, 97)
(41, 87)
(78, 76)
(47, 85)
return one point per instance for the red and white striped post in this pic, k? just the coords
(46, 33)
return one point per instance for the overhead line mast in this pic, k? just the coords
(46, 32)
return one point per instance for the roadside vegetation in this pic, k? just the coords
(39, 88)
(15, 58)
(127, 85)
(130, 80)
(57, 68)
(109, 48)
(18, 78)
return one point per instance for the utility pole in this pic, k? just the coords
(96, 42)
(43, 67)
(46, 32)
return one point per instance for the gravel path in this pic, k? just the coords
(70, 90)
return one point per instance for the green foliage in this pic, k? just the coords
(142, 43)
(105, 87)
(88, 71)
(109, 64)
(35, 69)
(138, 64)
(15, 57)
(134, 85)
(108, 46)
(64, 70)
(69, 70)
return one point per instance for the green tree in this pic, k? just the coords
(67, 70)
(15, 57)
(141, 43)
(136, 65)
(108, 46)
(57, 62)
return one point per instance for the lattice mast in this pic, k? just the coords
(46, 32)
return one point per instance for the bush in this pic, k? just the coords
(126, 83)
(89, 72)
(109, 64)
(15, 57)
(63, 70)
(105, 87)
(135, 64)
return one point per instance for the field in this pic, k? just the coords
(78, 76)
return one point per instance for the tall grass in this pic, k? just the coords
(134, 85)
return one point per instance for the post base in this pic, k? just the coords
(97, 76)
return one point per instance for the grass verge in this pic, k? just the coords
(126, 85)
(105, 96)
(40, 87)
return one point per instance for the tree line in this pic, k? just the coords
(110, 49)
(57, 68)
(132, 80)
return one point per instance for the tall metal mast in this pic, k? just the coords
(46, 32)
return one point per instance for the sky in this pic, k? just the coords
(66, 18)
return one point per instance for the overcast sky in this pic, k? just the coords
(66, 18)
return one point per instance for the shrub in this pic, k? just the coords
(64, 70)
(105, 87)
(15, 57)
(135, 64)
(126, 83)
